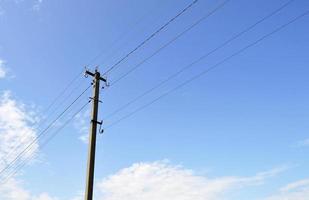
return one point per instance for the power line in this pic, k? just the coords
(27, 160)
(28, 147)
(172, 40)
(56, 99)
(203, 57)
(62, 102)
(40, 124)
(90, 62)
(113, 43)
(150, 37)
(63, 91)
(210, 69)
(122, 35)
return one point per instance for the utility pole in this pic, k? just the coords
(93, 132)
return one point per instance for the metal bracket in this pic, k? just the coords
(101, 130)
(98, 122)
(93, 100)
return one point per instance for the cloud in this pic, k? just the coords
(12, 190)
(81, 123)
(151, 181)
(80, 196)
(298, 190)
(3, 71)
(160, 180)
(37, 5)
(84, 138)
(16, 132)
(303, 143)
(295, 185)
(44, 196)
(34, 5)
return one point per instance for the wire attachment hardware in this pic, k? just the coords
(106, 83)
(101, 130)
(85, 73)
(92, 99)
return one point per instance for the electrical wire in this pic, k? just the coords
(63, 91)
(89, 63)
(27, 160)
(40, 124)
(150, 37)
(193, 78)
(56, 99)
(172, 40)
(210, 69)
(205, 56)
(113, 43)
(28, 147)
(68, 86)
(121, 36)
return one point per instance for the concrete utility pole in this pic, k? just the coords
(93, 132)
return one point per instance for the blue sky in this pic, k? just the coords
(238, 132)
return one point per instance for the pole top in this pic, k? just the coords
(96, 72)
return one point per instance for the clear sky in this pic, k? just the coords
(238, 132)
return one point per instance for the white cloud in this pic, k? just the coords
(141, 181)
(79, 196)
(298, 190)
(12, 190)
(3, 71)
(303, 143)
(84, 138)
(160, 180)
(295, 185)
(16, 130)
(44, 196)
(81, 123)
(16, 133)
(37, 5)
